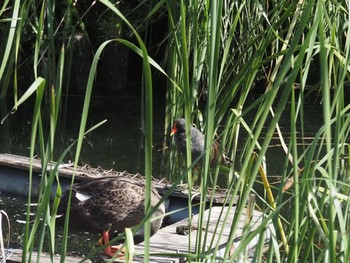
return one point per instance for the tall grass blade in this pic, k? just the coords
(28, 237)
(10, 40)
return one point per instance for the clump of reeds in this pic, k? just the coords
(218, 52)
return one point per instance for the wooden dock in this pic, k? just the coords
(166, 240)
(14, 177)
(18, 164)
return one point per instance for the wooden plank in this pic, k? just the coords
(167, 241)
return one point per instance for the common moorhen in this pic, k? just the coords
(109, 205)
(197, 143)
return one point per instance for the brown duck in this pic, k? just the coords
(109, 205)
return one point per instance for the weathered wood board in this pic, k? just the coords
(167, 241)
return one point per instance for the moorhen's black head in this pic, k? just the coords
(197, 143)
(179, 126)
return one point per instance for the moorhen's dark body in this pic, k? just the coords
(110, 204)
(197, 143)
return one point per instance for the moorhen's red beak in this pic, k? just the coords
(173, 130)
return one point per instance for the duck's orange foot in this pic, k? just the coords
(111, 250)
(114, 250)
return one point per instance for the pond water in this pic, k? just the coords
(117, 144)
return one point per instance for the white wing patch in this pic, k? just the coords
(82, 197)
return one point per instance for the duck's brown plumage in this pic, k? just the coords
(111, 203)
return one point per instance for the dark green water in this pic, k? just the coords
(117, 144)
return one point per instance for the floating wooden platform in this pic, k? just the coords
(14, 176)
(86, 172)
(167, 241)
